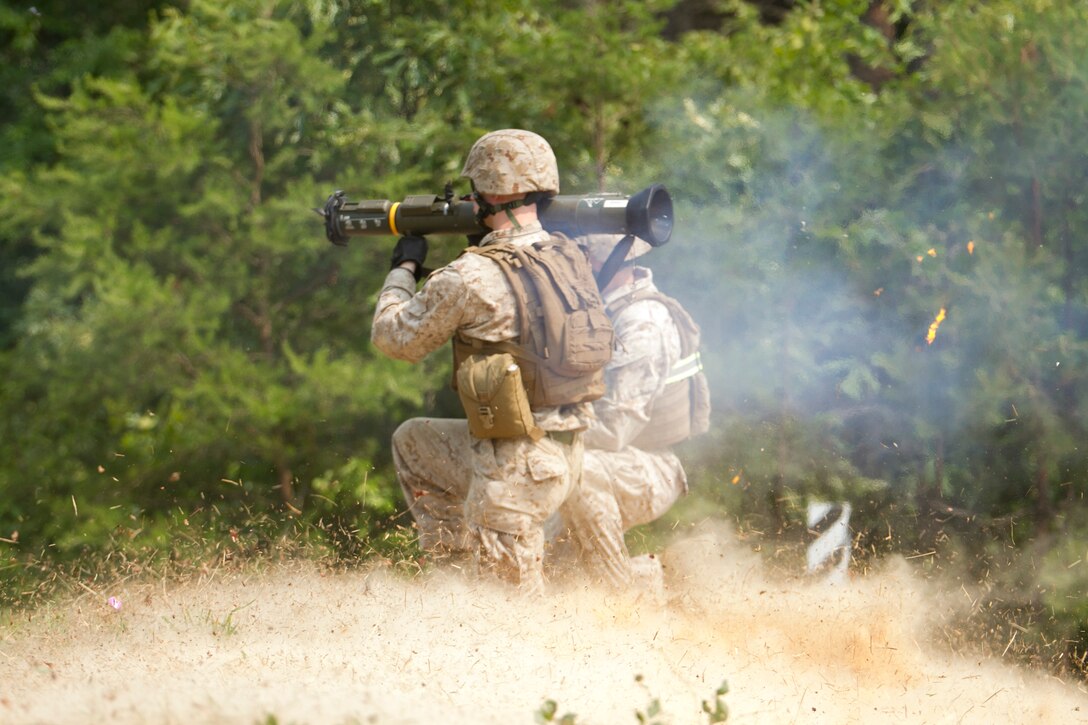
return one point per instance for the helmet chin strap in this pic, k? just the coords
(486, 208)
(510, 215)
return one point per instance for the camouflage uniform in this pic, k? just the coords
(624, 486)
(496, 500)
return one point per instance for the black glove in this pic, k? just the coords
(411, 249)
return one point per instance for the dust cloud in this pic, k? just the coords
(293, 643)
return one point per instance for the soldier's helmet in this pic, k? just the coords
(512, 161)
(599, 246)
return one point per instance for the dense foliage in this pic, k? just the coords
(881, 228)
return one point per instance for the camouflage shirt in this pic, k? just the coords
(648, 344)
(470, 295)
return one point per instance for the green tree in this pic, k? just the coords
(45, 48)
(187, 347)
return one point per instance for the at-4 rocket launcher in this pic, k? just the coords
(646, 214)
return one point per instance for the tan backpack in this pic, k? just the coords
(565, 340)
(682, 410)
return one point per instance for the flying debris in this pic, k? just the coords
(932, 334)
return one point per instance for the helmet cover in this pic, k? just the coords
(512, 161)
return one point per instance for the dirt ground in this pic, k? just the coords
(294, 644)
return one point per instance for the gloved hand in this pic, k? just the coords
(410, 249)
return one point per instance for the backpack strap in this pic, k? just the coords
(690, 335)
(683, 408)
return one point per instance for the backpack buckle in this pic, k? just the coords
(487, 416)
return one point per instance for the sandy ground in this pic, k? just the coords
(291, 644)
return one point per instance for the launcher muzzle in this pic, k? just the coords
(647, 215)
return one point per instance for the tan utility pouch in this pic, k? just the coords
(494, 397)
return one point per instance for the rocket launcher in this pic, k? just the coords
(646, 214)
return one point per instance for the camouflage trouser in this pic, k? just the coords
(433, 462)
(487, 496)
(621, 490)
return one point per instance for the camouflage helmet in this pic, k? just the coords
(512, 161)
(599, 246)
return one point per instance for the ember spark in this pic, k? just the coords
(932, 334)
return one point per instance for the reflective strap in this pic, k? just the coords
(684, 369)
(566, 437)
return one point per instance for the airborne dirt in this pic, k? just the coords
(294, 644)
